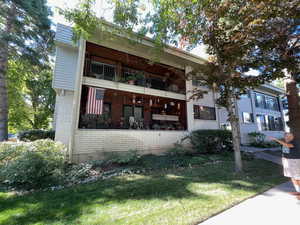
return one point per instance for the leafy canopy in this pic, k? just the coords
(30, 28)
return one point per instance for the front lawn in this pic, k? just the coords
(164, 196)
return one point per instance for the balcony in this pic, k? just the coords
(126, 72)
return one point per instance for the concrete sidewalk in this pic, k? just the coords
(274, 207)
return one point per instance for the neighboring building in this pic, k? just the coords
(111, 97)
(260, 110)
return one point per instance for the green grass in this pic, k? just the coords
(174, 196)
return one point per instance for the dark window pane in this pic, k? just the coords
(204, 112)
(279, 124)
(271, 122)
(97, 69)
(260, 100)
(103, 71)
(109, 72)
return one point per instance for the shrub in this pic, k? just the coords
(178, 150)
(129, 157)
(32, 165)
(33, 135)
(77, 172)
(211, 141)
(257, 139)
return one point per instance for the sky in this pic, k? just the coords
(103, 10)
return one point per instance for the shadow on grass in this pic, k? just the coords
(66, 206)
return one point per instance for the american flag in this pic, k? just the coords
(95, 101)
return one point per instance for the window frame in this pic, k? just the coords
(102, 76)
(197, 112)
(251, 117)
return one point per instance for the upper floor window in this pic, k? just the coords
(260, 100)
(272, 103)
(204, 112)
(266, 102)
(102, 70)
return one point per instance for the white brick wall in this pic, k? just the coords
(91, 144)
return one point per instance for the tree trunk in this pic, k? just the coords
(294, 109)
(3, 94)
(236, 137)
(3, 70)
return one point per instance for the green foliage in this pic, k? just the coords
(33, 135)
(32, 165)
(211, 141)
(25, 35)
(178, 150)
(77, 172)
(241, 36)
(31, 97)
(258, 139)
(124, 158)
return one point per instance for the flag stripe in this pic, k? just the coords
(95, 101)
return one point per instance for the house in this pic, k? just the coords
(112, 97)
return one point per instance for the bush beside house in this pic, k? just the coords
(43, 163)
(36, 164)
(258, 140)
(33, 135)
(211, 141)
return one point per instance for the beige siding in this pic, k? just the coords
(65, 68)
(63, 116)
(93, 144)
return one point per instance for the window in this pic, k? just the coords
(204, 112)
(247, 117)
(260, 100)
(272, 103)
(261, 122)
(279, 124)
(266, 102)
(271, 122)
(103, 71)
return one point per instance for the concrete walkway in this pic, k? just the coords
(274, 207)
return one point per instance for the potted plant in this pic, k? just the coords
(131, 79)
(140, 78)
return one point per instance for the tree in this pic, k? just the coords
(280, 35)
(24, 32)
(31, 97)
(19, 109)
(234, 32)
